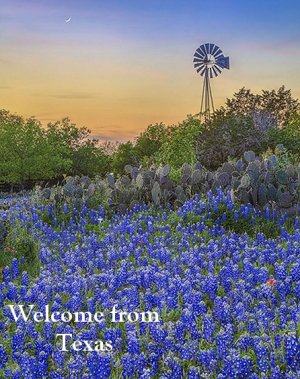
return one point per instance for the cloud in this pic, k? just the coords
(15, 9)
(106, 138)
(113, 133)
(4, 61)
(74, 96)
(69, 96)
(284, 46)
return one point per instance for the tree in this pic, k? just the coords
(150, 141)
(90, 159)
(288, 136)
(227, 136)
(74, 145)
(67, 132)
(180, 146)
(26, 154)
(270, 109)
(30, 153)
(124, 155)
(282, 106)
(244, 102)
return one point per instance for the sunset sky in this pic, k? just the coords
(120, 65)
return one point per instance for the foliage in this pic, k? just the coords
(179, 148)
(288, 136)
(269, 109)
(30, 153)
(90, 159)
(150, 141)
(109, 147)
(227, 136)
(264, 181)
(76, 146)
(20, 244)
(25, 153)
(3, 233)
(124, 155)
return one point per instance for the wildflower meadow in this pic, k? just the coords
(227, 299)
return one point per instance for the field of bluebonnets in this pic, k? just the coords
(228, 301)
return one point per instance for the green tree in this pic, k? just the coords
(124, 155)
(180, 145)
(288, 136)
(74, 144)
(90, 159)
(31, 153)
(150, 141)
(26, 154)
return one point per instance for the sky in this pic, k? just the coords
(121, 65)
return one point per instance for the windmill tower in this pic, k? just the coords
(209, 62)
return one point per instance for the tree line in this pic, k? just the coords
(31, 153)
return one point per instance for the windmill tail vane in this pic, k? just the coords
(209, 61)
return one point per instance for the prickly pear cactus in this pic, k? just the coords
(262, 195)
(271, 193)
(186, 173)
(223, 179)
(282, 177)
(249, 156)
(265, 181)
(139, 181)
(156, 193)
(128, 169)
(245, 181)
(165, 171)
(196, 176)
(111, 181)
(85, 181)
(285, 199)
(240, 166)
(228, 167)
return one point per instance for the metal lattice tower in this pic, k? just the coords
(209, 62)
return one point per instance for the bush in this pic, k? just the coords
(228, 136)
(180, 147)
(19, 244)
(124, 155)
(150, 141)
(288, 136)
(30, 153)
(267, 110)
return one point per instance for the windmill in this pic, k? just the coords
(209, 62)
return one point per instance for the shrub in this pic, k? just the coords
(124, 155)
(150, 141)
(267, 110)
(288, 136)
(180, 146)
(228, 136)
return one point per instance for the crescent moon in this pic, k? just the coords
(68, 19)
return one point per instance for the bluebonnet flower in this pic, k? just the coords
(99, 365)
(194, 373)
(209, 286)
(292, 351)
(3, 357)
(127, 362)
